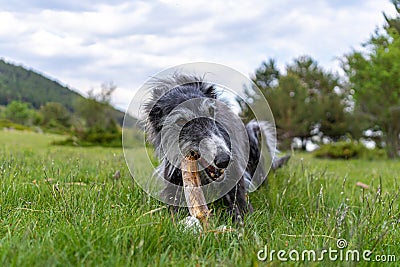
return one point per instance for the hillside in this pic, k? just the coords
(19, 83)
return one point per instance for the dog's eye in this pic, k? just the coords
(181, 122)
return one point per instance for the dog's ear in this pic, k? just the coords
(153, 107)
(154, 116)
(209, 90)
(153, 111)
(158, 92)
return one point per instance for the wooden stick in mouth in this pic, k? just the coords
(192, 187)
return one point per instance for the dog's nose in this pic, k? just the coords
(222, 160)
(195, 154)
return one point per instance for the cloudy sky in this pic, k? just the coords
(84, 43)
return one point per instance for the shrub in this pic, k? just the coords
(93, 139)
(348, 150)
(4, 123)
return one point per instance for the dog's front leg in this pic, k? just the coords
(237, 202)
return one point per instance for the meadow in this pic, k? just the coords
(63, 206)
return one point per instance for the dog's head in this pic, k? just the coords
(182, 119)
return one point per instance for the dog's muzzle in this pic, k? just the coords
(217, 170)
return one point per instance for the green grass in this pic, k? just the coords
(60, 206)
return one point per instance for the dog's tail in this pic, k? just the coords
(257, 132)
(257, 128)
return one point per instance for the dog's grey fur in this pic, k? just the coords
(185, 115)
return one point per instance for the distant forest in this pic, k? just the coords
(18, 83)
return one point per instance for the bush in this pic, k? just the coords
(104, 139)
(348, 150)
(4, 123)
(93, 139)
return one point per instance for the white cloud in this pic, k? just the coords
(83, 43)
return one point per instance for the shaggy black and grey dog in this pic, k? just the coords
(185, 115)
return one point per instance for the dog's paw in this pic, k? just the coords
(191, 225)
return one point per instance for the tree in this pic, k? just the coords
(18, 112)
(326, 98)
(394, 23)
(99, 125)
(291, 109)
(55, 115)
(96, 110)
(267, 75)
(305, 100)
(266, 78)
(374, 79)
